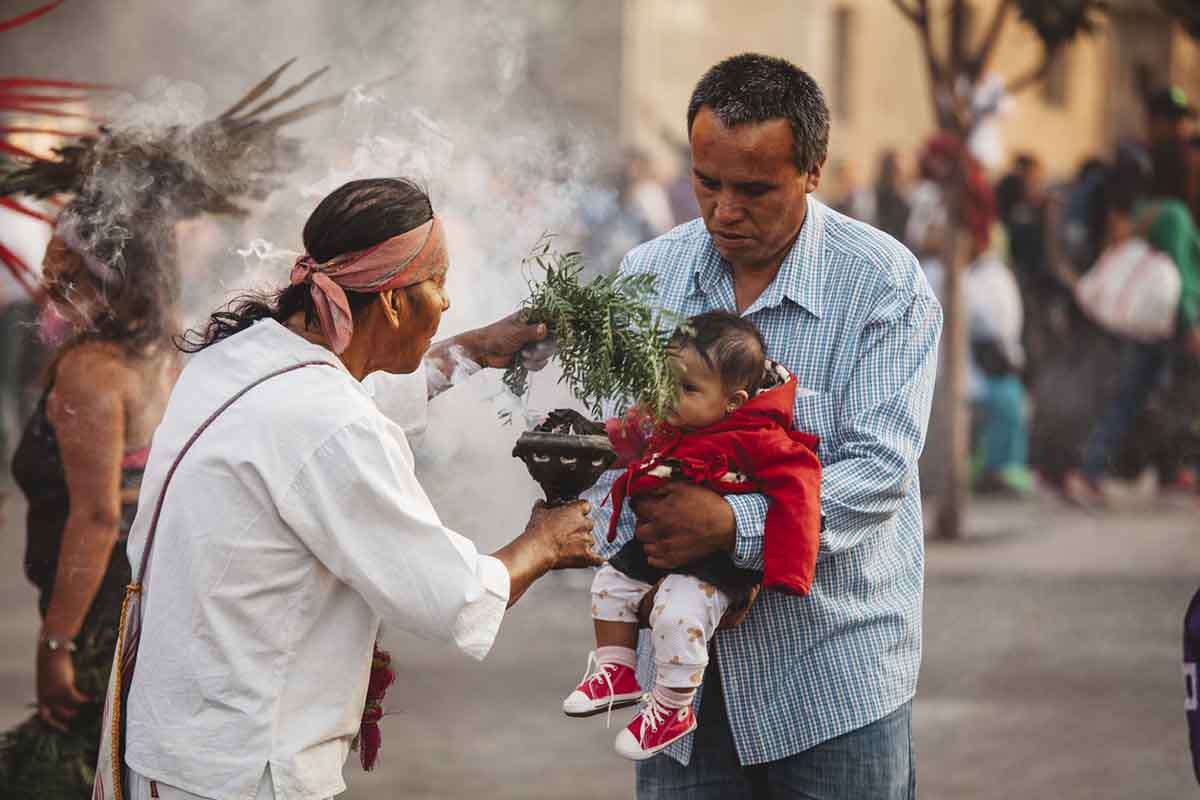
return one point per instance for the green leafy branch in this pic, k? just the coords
(611, 343)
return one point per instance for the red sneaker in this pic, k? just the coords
(609, 686)
(655, 727)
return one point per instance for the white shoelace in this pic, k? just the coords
(653, 715)
(600, 672)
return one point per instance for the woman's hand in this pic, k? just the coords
(58, 700)
(566, 532)
(499, 344)
(555, 538)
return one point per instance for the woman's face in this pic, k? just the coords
(68, 284)
(420, 310)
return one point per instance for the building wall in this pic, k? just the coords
(876, 79)
(668, 44)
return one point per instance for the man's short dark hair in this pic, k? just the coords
(730, 345)
(752, 88)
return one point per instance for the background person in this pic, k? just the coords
(79, 464)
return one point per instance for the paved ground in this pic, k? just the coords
(1051, 670)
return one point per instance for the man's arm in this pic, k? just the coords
(884, 413)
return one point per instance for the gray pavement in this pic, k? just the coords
(1051, 670)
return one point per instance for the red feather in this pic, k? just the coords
(20, 152)
(9, 24)
(47, 112)
(19, 82)
(8, 202)
(33, 97)
(21, 271)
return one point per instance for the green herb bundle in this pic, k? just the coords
(611, 343)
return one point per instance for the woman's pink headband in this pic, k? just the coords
(405, 260)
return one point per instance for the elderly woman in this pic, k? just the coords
(294, 525)
(110, 287)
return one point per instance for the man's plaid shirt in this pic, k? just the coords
(851, 315)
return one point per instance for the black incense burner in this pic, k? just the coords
(566, 455)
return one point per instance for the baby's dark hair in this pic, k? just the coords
(731, 346)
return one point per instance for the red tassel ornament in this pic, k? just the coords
(369, 737)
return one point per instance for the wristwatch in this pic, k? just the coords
(54, 644)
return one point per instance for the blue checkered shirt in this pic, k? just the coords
(851, 315)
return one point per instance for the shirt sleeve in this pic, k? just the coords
(357, 505)
(882, 421)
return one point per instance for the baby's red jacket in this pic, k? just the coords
(753, 449)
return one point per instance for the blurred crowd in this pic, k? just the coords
(1081, 297)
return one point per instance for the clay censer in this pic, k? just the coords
(566, 455)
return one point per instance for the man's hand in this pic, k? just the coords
(682, 523)
(496, 345)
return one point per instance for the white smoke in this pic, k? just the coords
(503, 162)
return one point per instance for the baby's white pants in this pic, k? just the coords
(686, 612)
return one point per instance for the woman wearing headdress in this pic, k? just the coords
(111, 287)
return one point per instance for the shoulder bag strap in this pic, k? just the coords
(129, 632)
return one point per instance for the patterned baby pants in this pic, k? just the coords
(686, 613)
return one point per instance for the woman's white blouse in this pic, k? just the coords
(293, 527)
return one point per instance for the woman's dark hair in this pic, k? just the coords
(356, 216)
(131, 261)
(730, 345)
(752, 88)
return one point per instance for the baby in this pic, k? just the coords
(730, 431)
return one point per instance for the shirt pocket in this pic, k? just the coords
(816, 413)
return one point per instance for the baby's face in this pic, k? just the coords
(703, 399)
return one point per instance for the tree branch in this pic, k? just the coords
(938, 82)
(978, 61)
(908, 11)
(1036, 75)
(956, 38)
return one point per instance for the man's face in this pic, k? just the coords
(751, 194)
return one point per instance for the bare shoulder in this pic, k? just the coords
(92, 374)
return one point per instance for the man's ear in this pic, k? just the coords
(737, 400)
(394, 304)
(812, 181)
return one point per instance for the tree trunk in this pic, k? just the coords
(955, 491)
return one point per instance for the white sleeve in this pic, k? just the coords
(404, 399)
(357, 505)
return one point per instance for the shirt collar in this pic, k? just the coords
(799, 279)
